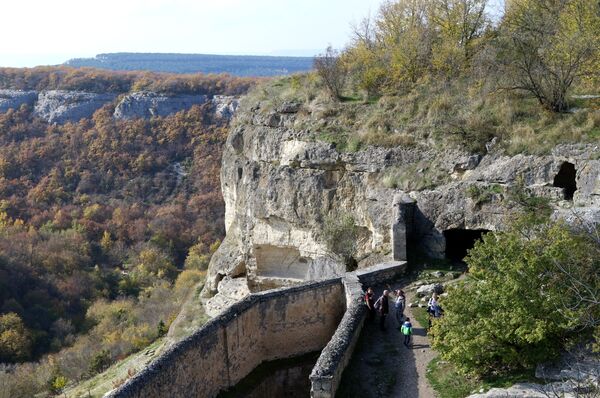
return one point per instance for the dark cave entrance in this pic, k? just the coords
(459, 241)
(566, 179)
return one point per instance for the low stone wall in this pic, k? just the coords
(381, 273)
(263, 327)
(327, 373)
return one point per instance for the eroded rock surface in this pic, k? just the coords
(145, 104)
(58, 106)
(280, 182)
(13, 99)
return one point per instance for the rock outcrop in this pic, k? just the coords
(225, 105)
(13, 99)
(145, 104)
(59, 106)
(280, 183)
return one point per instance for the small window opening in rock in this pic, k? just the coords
(240, 172)
(566, 179)
(460, 241)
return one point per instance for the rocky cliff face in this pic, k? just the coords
(148, 104)
(13, 99)
(280, 183)
(71, 106)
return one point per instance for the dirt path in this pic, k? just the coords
(383, 367)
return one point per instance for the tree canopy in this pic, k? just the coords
(530, 292)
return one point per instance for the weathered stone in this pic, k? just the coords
(225, 106)
(469, 164)
(289, 107)
(69, 106)
(13, 99)
(428, 290)
(280, 184)
(145, 104)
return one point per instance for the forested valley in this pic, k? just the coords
(105, 225)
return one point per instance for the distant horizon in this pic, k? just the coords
(28, 60)
(57, 31)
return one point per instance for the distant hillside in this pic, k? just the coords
(193, 63)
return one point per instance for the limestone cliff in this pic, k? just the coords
(280, 182)
(62, 106)
(13, 99)
(147, 104)
(58, 106)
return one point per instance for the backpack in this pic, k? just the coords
(406, 329)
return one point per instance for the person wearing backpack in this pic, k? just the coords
(407, 332)
(383, 306)
(370, 303)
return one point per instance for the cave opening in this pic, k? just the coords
(566, 179)
(460, 241)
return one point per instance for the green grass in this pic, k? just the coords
(421, 316)
(449, 383)
(430, 114)
(99, 385)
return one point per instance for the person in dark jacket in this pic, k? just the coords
(370, 303)
(384, 308)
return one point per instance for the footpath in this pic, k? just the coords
(382, 366)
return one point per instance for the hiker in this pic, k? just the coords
(400, 305)
(431, 304)
(407, 332)
(383, 306)
(433, 307)
(370, 302)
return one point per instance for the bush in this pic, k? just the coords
(332, 70)
(522, 303)
(100, 362)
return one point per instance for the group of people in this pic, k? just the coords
(382, 306)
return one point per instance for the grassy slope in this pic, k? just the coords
(435, 114)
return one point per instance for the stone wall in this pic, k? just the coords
(282, 323)
(327, 373)
(263, 327)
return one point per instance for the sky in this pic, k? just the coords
(43, 32)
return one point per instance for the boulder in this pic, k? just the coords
(428, 290)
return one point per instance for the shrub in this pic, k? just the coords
(100, 362)
(332, 70)
(523, 300)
